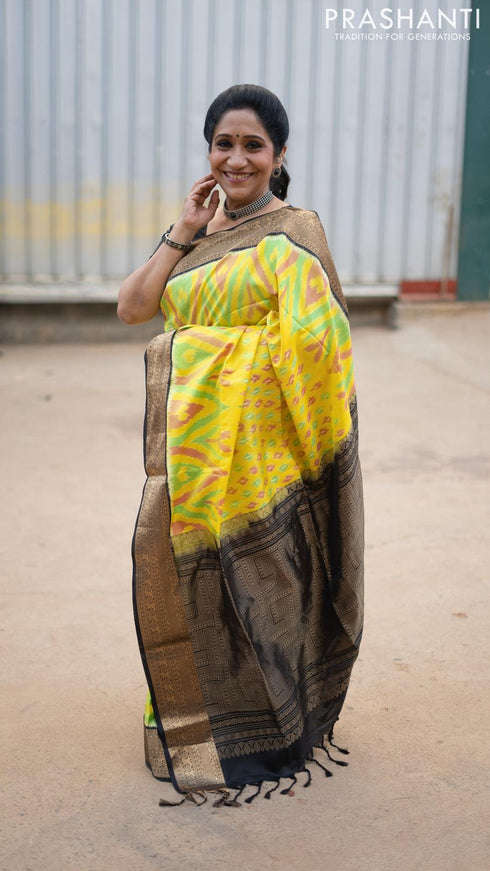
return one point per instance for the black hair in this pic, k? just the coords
(271, 114)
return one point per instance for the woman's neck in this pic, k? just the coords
(221, 222)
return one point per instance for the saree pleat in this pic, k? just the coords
(248, 547)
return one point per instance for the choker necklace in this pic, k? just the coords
(251, 208)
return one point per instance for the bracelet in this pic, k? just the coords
(178, 245)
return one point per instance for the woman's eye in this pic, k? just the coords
(225, 143)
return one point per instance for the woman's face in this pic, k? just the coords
(241, 157)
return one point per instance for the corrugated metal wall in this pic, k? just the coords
(102, 104)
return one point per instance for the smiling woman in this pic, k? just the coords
(248, 547)
(242, 161)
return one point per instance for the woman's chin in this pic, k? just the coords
(236, 197)
(239, 192)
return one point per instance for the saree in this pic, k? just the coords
(248, 545)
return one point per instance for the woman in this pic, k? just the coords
(248, 546)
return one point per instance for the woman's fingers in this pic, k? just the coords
(201, 190)
(213, 202)
(205, 185)
(206, 179)
(194, 209)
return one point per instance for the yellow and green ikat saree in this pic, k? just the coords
(248, 547)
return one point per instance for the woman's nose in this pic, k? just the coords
(237, 158)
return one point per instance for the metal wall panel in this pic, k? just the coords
(102, 104)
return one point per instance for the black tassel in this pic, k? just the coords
(308, 772)
(250, 799)
(269, 791)
(293, 781)
(336, 761)
(327, 772)
(228, 801)
(232, 802)
(238, 794)
(330, 741)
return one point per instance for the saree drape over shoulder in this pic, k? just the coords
(248, 547)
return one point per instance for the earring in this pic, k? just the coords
(276, 172)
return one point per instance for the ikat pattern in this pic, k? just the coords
(261, 381)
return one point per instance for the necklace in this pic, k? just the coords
(251, 208)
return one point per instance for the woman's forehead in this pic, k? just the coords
(240, 122)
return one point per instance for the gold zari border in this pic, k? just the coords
(154, 755)
(164, 632)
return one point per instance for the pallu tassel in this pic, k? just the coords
(269, 791)
(237, 796)
(327, 772)
(250, 798)
(332, 759)
(288, 789)
(189, 796)
(308, 772)
(199, 797)
(226, 799)
(330, 741)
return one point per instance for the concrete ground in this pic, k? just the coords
(78, 795)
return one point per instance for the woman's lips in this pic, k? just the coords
(237, 176)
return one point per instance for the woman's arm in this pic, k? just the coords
(140, 293)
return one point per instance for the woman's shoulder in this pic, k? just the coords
(296, 216)
(297, 210)
(301, 225)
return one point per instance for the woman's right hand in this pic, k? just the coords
(140, 293)
(195, 214)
